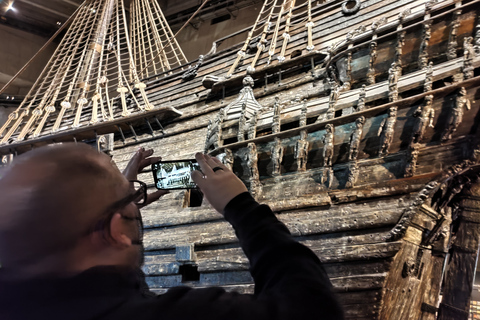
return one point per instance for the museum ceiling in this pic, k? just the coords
(45, 17)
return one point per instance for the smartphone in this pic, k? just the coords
(175, 174)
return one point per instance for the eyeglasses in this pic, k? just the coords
(138, 197)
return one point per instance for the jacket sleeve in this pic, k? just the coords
(284, 270)
(290, 282)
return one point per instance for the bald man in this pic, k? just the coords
(71, 245)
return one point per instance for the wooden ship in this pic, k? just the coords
(356, 121)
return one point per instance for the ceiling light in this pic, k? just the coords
(10, 6)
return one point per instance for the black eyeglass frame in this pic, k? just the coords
(103, 223)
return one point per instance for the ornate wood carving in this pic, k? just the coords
(214, 131)
(301, 151)
(455, 116)
(277, 156)
(393, 76)
(355, 139)
(245, 97)
(427, 34)
(277, 108)
(251, 160)
(452, 40)
(328, 144)
(332, 101)
(371, 63)
(424, 115)
(399, 52)
(428, 78)
(242, 122)
(373, 50)
(411, 166)
(328, 152)
(399, 230)
(303, 114)
(105, 143)
(386, 130)
(227, 158)
(468, 55)
(252, 125)
(477, 38)
(191, 72)
(301, 146)
(354, 170)
(361, 99)
(7, 159)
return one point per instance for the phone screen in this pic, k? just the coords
(174, 174)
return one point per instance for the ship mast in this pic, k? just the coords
(96, 71)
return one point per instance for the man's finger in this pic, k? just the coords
(154, 196)
(202, 161)
(197, 177)
(146, 162)
(132, 165)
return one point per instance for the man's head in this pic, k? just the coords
(52, 200)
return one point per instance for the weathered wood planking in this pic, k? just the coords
(345, 228)
(303, 223)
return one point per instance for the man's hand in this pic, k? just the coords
(219, 186)
(137, 163)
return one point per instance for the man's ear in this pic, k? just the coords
(118, 232)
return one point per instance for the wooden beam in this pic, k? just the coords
(461, 272)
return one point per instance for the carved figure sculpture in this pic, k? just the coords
(399, 52)
(227, 158)
(301, 151)
(386, 130)
(252, 126)
(393, 83)
(105, 143)
(242, 123)
(456, 115)
(330, 114)
(427, 34)
(352, 175)
(303, 114)
(371, 62)
(477, 39)
(411, 163)
(468, 55)
(251, 159)
(442, 239)
(214, 132)
(191, 72)
(361, 99)
(355, 138)
(452, 40)
(428, 78)
(209, 134)
(277, 156)
(424, 115)
(277, 107)
(328, 144)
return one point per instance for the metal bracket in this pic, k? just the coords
(428, 308)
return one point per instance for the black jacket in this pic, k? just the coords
(290, 283)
